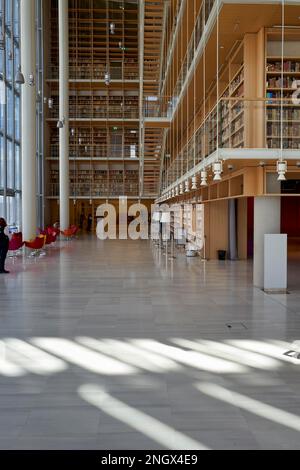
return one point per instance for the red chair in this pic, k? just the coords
(15, 245)
(50, 236)
(75, 229)
(36, 245)
(18, 235)
(53, 231)
(68, 233)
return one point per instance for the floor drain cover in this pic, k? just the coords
(236, 326)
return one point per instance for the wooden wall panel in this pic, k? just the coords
(216, 227)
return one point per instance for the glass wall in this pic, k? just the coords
(10, 164)
(10, 113)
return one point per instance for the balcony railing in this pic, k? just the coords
(158, 107)
(93, 107)
(90, 151)
(94, 190)
(101, 111)
(87, 71)
(171, 35)
(195, 39)
(238, 123)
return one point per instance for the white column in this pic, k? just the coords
(64, 179)
(28, 119)
(267, 218)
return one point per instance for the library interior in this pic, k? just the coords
(149, 224)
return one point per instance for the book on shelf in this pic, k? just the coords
(285, 82)
(288, 114)
(286, 129)
(236, 83)
(288, 66)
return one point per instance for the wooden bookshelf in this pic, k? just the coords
(281, 83)
(93, 179)
(236, 107)
(231, 107)
(89, 41)
(102, 144)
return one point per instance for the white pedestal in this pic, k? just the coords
(275, 263)
(266, 220)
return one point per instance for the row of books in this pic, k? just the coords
(237, 124)
(87, 72)
(286, 82)
(288, 130)
(288, 66)
(287, 143)
(277, 95)
(96, 190)
(237, 81)
(238, 139)
(290, 114)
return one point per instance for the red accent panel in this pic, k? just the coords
(290, 216)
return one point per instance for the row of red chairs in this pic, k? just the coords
(46, 237)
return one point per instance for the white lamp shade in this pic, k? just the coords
(194, 182)
(281, 166)
(281, 169)
(203, 178)
(217, 169)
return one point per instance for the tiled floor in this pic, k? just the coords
(110, 345)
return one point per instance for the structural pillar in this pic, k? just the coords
(64, 179)
(267, 220)
(28, 119)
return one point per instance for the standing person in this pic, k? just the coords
(4, 243)
(81, 220)
(89, 223)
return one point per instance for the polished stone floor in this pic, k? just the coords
(112, 345)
